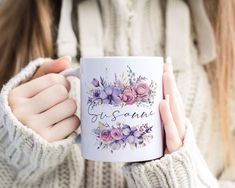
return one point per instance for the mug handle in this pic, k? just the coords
(73, 72)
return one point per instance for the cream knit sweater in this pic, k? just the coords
(121, 27)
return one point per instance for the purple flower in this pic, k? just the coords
(118, 137)
(130, 139)
(95, 82)
(97, 131)
(137, 134)
(120, 141)
(115, 145)
(134, 136)
(110, 95)
(96, 94)
(133, 129)
(126, 130)
(105, 136)
(126, 126)
(117, 134)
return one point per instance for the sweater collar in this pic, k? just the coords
(178, 31)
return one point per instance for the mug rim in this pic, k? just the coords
(122, 57)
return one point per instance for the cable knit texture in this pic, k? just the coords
(129, 27)
(29, 155)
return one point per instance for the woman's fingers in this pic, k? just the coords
(176, 105)
(36, 86)
(177, 112)
(57, 113)
(48, 98)
(43, 103)
(54, 66)
(61, 129)
(44, 77)
(169, 68)
(173, 140)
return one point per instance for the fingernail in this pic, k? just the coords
(169, 62)
(66, 58)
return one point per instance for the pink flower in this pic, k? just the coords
(128, 96)
(142, 90)
(105, 136)
(116, 134)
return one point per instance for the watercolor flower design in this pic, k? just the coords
(119, 136)
(127, 90)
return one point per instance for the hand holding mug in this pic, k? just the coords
(52, 116)
(42, 103)
(172, 111)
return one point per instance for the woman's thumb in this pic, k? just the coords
(54, 66)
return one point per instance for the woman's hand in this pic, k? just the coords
(42, 103)
(172, 111)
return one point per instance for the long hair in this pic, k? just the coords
(221, 72)
(28, 30)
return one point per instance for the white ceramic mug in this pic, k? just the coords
(120, 118)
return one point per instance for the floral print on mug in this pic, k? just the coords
(129, 89)
(119, 136)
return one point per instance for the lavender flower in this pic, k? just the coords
(110, 95)
(121, 92)
(118, 137)
(96, 94)
(126, 126)
(97, 131)
(130, 139)
(115, 146)
(133, 129)
(126, 130)
(137, 134)
(95, 82)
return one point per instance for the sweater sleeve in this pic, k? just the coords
(183, 168)
(23, 149)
